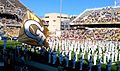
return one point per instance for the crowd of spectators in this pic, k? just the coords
(10, 8)
(11, 16)
(100, 16)
(93, 34)
(12, 31)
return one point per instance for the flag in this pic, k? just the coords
(32, 31)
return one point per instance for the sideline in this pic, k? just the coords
(42, 66)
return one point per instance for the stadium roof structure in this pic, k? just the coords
(103, 15)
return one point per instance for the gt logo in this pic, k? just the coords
(38, 35)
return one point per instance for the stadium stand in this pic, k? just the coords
(111, 34)
(11, 13)
(105, 15)
(95, 24)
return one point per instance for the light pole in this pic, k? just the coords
(60, 15)
(116, 3)
(60, 8)
(5, 40)
(4, 37)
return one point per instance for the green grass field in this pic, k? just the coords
(9, 44)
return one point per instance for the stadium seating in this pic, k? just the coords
(11, 12)
(107, 15)
(93, 34)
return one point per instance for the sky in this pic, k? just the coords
(70, 7)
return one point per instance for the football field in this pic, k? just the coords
(13, 44)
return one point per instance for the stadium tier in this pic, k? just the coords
(105, 15)
(11, 13)
(96, 24)
(110, 34)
